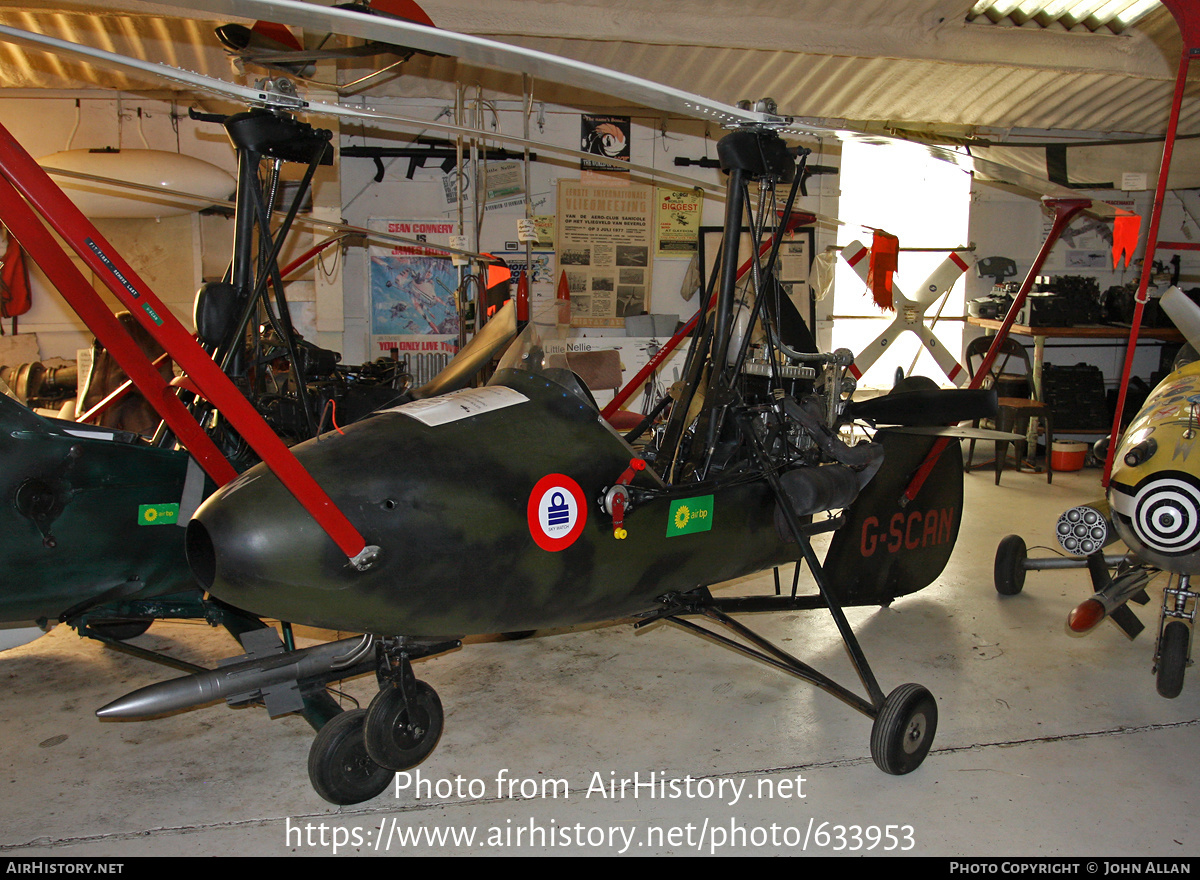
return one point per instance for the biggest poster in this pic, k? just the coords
(679, 214)
(604, 241)
(413, 309)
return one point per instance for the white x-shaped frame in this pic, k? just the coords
(910, 313)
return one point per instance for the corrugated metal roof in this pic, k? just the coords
(179, 42)
(873, 62)
(1111, 16)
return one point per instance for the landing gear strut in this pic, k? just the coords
(404, 721)
(356, 754)
(1175, 640)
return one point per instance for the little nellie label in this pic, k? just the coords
(690, 515)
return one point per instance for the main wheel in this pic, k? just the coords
(339, 767)
(1172, 659)
(401, 734)
(903, 730)
(1010, 565)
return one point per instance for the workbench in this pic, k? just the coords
(1086, 331)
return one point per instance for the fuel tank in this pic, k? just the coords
(156, 169)
(487, 506)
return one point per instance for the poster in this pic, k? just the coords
(794, 260)
(604, 240)
(679, 213)
(499, 181)
(607, 137)
(544, 225)
(412, 303)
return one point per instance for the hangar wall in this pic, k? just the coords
(176, 254)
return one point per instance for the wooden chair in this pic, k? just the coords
(1016, 406)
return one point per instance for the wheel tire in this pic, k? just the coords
(400, 735)
(1009, 572)
(904, 729)
(339, 767)
(1172, 659)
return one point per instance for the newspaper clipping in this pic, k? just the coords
(604, 241)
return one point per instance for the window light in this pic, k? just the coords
(1096, 16)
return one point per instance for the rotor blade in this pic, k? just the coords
(490, 53)
(176, 75)
(199, 201)
(964, 433)
(555, 68)
(998, 173)
(486, 53)
(294, 103)
(930, 408)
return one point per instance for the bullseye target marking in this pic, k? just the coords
(557, 512)
(1166, 515)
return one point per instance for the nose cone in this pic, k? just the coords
(1159, 519)
(448, 506)
(403, 487)
(251, 541)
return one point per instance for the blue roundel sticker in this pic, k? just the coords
(557, 512)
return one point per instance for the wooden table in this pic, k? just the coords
(1086, 331)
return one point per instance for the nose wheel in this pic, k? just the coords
(356, 754)
(339, 767)
(1172, 659)
(403, 724)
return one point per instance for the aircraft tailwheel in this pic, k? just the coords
(1009, 571)
(903, 730)
(339, 767)
(1172, 659)
(401, 733)
(120, 630)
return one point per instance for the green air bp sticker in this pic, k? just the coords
(690, 515)
(158, 514)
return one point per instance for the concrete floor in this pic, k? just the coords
(1047, 744)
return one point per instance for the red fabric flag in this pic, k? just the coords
(15, 293)
(1125, 237)
(885, 254)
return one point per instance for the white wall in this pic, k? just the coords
(1014, 226)
(423, 197)
(166, 253)
(175, 255)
